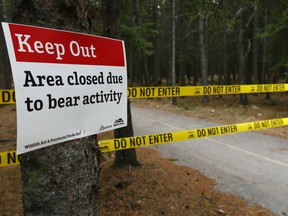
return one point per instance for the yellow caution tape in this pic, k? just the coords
(164, 138)
(9, 158)
(179, 91)
(8, 96)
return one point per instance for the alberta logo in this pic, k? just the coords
(103, 127)
(118, 122)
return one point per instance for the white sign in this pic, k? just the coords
(68, 85)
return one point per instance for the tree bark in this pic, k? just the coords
(127, 156)
(242, 58)
(203, 54)
(173, 57)
(266, 73)
(5, 69)
(61, 179)
(112, 29)
(227, 75)
(156, 76)
(255, 46)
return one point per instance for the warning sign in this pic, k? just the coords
(68, 85)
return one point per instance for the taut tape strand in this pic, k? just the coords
(164, 138)
(8, 96)
(180, 91)
(11, 158)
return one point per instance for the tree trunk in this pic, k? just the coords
(227, 76)
(267, 73)
(61, 179)
(264, 54)
(173, 71)
(183, 67)
(130, 68)
(5, 69)
(112, 29)
(203, 54)
(156, 77)
(242, 59)
(255, 47)
(128, 156)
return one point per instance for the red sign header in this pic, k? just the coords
(35, 44)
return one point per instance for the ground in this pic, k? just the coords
(158, 186)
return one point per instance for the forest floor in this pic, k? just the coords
(158, 186)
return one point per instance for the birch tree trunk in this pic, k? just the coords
(61, 179)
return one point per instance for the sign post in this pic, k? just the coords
(68, 85)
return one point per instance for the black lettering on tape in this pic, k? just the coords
(259, 88)
(168, 91)
(228, 129)
(213, 131)
(147, 92)
(277, 122)
(201, 132)
(7, 96)
(177, 91)
(218, 89)
(233, 89)
(160, 138)
(207, 90)
(137, 141)
(265, 124)
(120, 144)
(278, 87)
(267, 88)
(257, 125)
(132, 92)
(11, 158)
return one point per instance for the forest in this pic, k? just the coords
(196, 42)
(204, 41)
(168, 43)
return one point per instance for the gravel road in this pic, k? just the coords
(249, 165)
